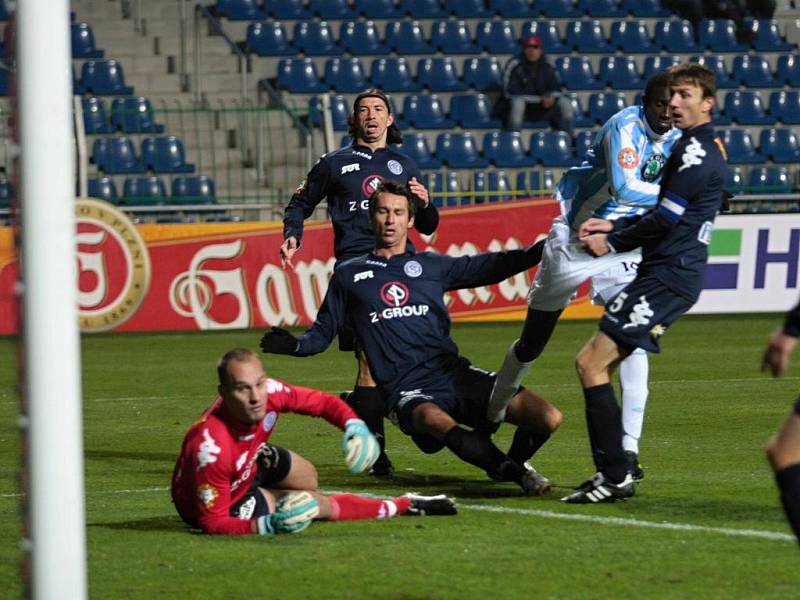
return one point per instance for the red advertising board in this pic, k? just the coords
(228, 276)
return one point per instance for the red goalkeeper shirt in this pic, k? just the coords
(217, 462)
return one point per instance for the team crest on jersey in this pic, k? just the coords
(652, 167)
(370, 184)
(208, 451)
(207, 494)
(628, 158)
(412, 268)
(394, 293)
(269, 420)
(394, 167)
(693, 155)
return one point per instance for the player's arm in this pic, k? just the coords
(489, 267)
(624, 169)
(427, 218)
(781, 343)
(301, 206)
(213, 498)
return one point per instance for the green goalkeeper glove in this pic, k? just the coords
(294, 512)
(360, 447)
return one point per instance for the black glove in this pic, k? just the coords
(279, 341)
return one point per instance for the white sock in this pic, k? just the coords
(633, 381)
(509, 378)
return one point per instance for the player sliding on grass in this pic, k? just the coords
(229, 479)
(394, 299)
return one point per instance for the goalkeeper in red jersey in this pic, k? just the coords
(230, 479)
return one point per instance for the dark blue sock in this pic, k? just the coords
(604, 420)
(789, 483)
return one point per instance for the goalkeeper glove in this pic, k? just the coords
(360, 447)
(294, 512)
(279, 341)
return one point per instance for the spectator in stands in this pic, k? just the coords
(532, 90)
(695, 11)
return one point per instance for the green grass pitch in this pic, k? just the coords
(699, 525)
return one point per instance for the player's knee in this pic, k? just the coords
(775, 454)
(584, 366)
(553, 418)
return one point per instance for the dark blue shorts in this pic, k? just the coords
(639, 315)
(274, 464)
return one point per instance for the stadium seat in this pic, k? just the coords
(603, 105)
(468, 9)
(453, 37)
(83, 42)
(527, 182)
(780, 145)
(769, 38)
(459, 151)
(631, 37)
(103, 188)
(445, 189)
(753, 71)
(147, 191)
(361, 38)
(719, 35)
(789, 70)
(289, 9)
(577, 74)
(104, 78)
(439, 75)
(299, 76)
(785, 106)
(415, 146)
(580, 118)
(197, 189)
(514, 9)
(548, 182)
(620, 73)
(583, 141)
(332, 9)
(495, 186)
(345, 75)
(340, 111)
(165, 155)
(473, 111)
(550, 34)
(552, 149)
(746, 107)
(769, 180)
(240, 10)
(95, 119)
(484, 74)
(268, 39)
(557, 9)
(378, 9)
(315, 38)
(645, 8)
(655, 63)
(406, 37)
(425, 112)
(116, 156)
(599, 9)
(716, 63)
(393, 75)
(734, 180)
(504, 149)
(740, 147)
(134, 115)
(423, 9)
(497, 37)
(588, 37)
(675, 36)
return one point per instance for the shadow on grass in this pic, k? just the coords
(137, 455)
(149, 524)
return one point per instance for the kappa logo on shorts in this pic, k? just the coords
(640, 314)
(247, 508)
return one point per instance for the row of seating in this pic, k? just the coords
(248, 10)
(101, 78)
(780, 145)
(143, 191)
(118, 156)
(440, 74)
(316, 38)
(762, 180)
(128, 115)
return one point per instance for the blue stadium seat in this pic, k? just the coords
(557, 8)
(425, 112)
(550, 34)
(716, 63)
(197, 189)
(268, 39)
(289, 9)
(415, 146)
(620, 73)
(740, 147)
(601, 8)
(505, 149)
(134, 115)
(299, 76)
(453, 37)
(407, 37)
(345, 75)
(497, 37)
(580, 118)
(789, 70)
(340, 111)
(116, 156)
(577, 74)
(423, 9)
(495, 185)
(468, 9)
(785, 106)
(645, 8)
(104, 78)
(769, 180)
(631, 37)
(769, 38)
(393, 75)
(5, 80)
(240, 10)
(719, 35)
(603, 105)
(484, 74)
(734, 180)
(473, 111)
(588, 37)
(552, 149)
(459, 151)
(95, 119)
(361, 38)
(332, 9)
(165, 155)
(103, 188)
(439, 75)
(528, 182)
(655, 63)
(746, 107)
(753, 71)
(379, 9)
(83, 45)
(445, 189)
(675, 36)
(583, 141)
(315, 38)
(144, 191)
(781, 145)
(514, 9)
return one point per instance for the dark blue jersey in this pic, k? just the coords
(397, 309)
(347, 177)
(674, 236)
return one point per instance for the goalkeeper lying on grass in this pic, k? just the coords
(229, 479)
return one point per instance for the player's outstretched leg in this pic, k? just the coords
(368, 404)
(633, 373)
(352, 507)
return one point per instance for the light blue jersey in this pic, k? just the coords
(620, 174)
